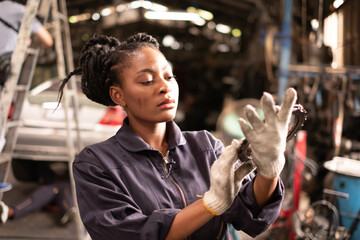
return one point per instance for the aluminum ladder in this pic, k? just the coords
(17, 86)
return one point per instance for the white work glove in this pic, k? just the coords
(225, 180)
(268, 138)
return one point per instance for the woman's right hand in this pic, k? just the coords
(225, 180)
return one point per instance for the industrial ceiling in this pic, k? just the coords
(249, 16)
(209, 64)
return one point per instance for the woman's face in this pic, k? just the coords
(149, 90)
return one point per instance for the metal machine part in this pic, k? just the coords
(297, 120)
(319, 222)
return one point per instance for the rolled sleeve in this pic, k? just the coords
(245, 214)
(158, 224)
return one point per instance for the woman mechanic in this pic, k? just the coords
(153, 181)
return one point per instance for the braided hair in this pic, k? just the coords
(102, 62)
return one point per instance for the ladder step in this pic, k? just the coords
(5, 157)
(14, 123)
(42, 149)
(70, 92)
(62, 16)
(21, 88)
(38, 157)
(32, 51)
(42, 153)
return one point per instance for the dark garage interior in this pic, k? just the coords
(226, 56)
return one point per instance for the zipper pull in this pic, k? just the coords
(165, 160)
(165, 157)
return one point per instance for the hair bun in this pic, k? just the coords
(143, 37)
(101, 42)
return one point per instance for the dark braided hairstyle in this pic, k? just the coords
(102, 62)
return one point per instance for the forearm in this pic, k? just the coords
(263, 189)
(189, 220)
(44, 37)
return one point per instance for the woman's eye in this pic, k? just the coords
(171, 78)
(147, 83)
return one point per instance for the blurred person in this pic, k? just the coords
(11, 15)
(57, 195)
(153, 181)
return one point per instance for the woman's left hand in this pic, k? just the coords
(268, 138)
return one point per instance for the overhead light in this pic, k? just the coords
(106, 11)
(222, 28)
(168, 40)
(314, 24)
(95, 16)
(236, 32)
(158, 7)
(202, 13)
(122, 7)
(199, 22)
(79, 18)
(338, 3)
(148, 5)
(136, 4)
(176, 16)
(191, 10)
(176, 45)
(73, 19)
(205, 14)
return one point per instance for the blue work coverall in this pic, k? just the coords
(128, 190)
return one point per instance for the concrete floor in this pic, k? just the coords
(37, 225)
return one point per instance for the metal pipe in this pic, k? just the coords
(285, 49)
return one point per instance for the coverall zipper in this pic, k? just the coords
(180, 191)
(172, 180)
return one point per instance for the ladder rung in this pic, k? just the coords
(5, 157)
(70, 92)
(37, 157)
(62, 16)
(21, 88)
(42, 149)
(14, 123)
(32, 51)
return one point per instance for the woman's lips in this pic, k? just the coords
(167, 103)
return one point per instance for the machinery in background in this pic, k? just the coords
(337, 215)
(321, 221)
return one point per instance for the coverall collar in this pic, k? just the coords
(131, 141)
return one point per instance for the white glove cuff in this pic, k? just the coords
(273, 168)
(214, 205)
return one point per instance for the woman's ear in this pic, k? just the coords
(116, 95)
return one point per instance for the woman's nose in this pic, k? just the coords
(164, 86)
